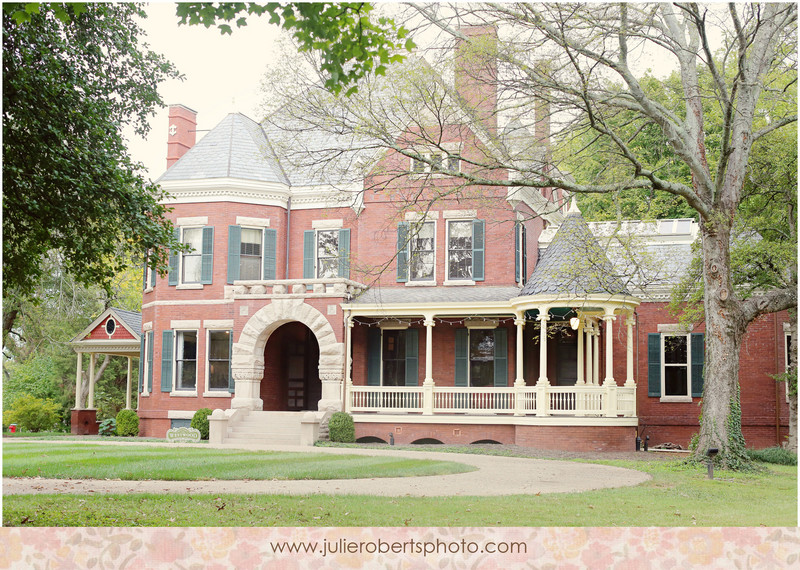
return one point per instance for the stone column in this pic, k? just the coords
(90, 402)
(247, 387)
(79, 382)
(128, 386)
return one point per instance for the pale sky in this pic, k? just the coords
(223, 74)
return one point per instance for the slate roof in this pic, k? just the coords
(574, 264)
(133, 319)
(421, 295)
(236, 148)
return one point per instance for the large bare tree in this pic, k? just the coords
(577, 71)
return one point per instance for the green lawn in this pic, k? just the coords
(678, 495)
(132, 462)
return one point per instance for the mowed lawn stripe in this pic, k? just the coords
(28, 459)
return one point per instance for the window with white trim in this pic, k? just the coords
(459, 250)
(185, 360)
(194, 266)
(436, 163)
(675, 365)
(326, 253)
(192, 260)
(422, 252)
(392, 357)
(218, 363)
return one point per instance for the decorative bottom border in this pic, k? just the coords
(508, 548)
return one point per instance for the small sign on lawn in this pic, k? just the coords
(183, 435)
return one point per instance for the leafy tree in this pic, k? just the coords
(33, 414)
(689, 140)
(352, 44)
(75, 75)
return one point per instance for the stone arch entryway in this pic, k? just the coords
(291, 370)
(248, 353)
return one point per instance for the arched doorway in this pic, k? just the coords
(291, 379)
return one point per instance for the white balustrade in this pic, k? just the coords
(581, 400)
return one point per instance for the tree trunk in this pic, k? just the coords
(720, 425)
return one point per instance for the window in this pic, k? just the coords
(194, 266)
(481, 357)
(675, 365)
(149, 276)
(326, 254)
(435, 162)
(392, 357)
(421, 250)
(465, 250)
(520, 253)
(186, 360)
(146, 364)
(219, 360)
(251, 253)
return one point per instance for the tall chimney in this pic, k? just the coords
(476, 73)
(182, 132)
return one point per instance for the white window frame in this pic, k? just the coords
(419, 224)
(148, 340)
(182, 284)
(260, 274)
(216, 392)
(455, 280)
(335, 257)
(178, 334)
(420, 167)
(676, 397)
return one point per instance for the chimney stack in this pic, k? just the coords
(476, 73)
(182, 132)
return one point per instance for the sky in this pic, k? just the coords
(222, 75)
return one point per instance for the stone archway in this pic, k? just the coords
(248, 353)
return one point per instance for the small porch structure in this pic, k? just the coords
(115, 332)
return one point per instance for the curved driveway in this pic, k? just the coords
(494, 476)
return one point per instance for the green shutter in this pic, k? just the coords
(402, 252)
(462, 356)
(207, 260)
(231, 383)
(144, 274)
(234, 251)
(344, 253)
(373, 357)
(698, 358)
(166, 360)
(309, 239)
(270, 253)
(150, 338)
(654, 365)
(478, 250)
(501, 357)
(412, 357)
(141, 363)
(524, 242)
(172, 276)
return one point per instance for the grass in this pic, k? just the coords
(132, 463)
(678, 495)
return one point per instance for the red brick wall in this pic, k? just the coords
(120, 332)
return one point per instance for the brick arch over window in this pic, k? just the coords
(248, 352)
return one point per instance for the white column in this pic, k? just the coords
(348, 373)
(79, 382)
(90, 403)
(543, 318)
(609, 379)
(589, 356)
(520, 379)
(596, 355)
(581, 377)
(128, 386)
(429, 324)
(629, 351)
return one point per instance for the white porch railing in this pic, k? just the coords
(604, 401)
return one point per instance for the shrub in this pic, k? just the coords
(33, 414)
(108, 427)
(776, 455)
(200, 422)
(341, 428)
(127, 423)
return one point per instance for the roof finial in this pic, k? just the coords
(573, 207)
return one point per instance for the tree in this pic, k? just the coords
(572, 67)
(74, 75)
(352, 44)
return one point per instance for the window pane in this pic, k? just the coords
(436, 161)
(459, 254)
(394, 358)
(481, 357)
(249, 268)
(453, 164)
(186, 360)
(192, 261)
(675, 351)
(676, 381)
(194, 237)
(327, 254)
(422, 255)
(219, 345)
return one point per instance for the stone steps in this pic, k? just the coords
(266, 428)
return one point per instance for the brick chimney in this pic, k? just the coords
(476, 72)
(182, 132)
